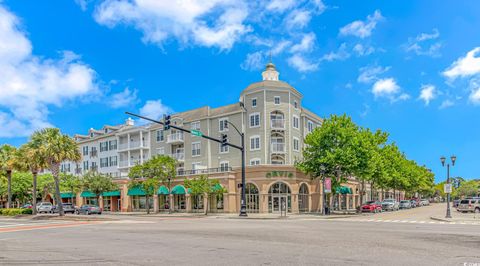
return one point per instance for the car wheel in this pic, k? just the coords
(477, 210)
(87, 213)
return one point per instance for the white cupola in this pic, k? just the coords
(270, 72)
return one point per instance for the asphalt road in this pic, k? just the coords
(223, 241)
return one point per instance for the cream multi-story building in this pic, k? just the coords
(275, 124)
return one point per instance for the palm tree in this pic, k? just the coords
(7, 163)
(55, 148)
(29, 158)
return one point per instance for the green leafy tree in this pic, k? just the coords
(98, 184)
(7, 165)
(202, 185)
(45, 186)
(21, 185)
(29, 158)
(56, 148)
(140, 176)
(71, 183)
(469, 188)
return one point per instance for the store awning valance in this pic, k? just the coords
(88, 194)
(136, 191)
(115, 193)
(162, 190)
(343, 190)
(67, 195)
(178, 190)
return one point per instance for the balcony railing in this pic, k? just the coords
(204, 171)
(278, 123)
(278, 147)
(123, 146)
(123, 163)
(176, 137)
(179, 156)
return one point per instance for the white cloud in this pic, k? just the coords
(362, 29)
(155, 109)
(254, 61)
(423, 44)
(301, 64)
(83, 4)
(216, 23)
(427, 93)
(341, 54)
(362, 50)
(30, 84)
(298, 19)
(124, 98)
(446, 103)
(474, 96)
(385, 88)
(280, 47)
(369, 74)
(466, 66)
(281, 5)
(305, 45)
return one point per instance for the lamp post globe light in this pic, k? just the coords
(453, 158)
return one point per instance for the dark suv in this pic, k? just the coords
(67, 208)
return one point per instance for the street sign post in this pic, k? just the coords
(195, 132)
(447, 188)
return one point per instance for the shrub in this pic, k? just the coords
(14, 211)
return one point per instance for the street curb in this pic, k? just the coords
(440, 219)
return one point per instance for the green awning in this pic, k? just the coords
(136, 191)
(115, 193)
(67, 195)
(178, 190)
(162, 190)
(217, 187)
(88, 194)
(343, 190)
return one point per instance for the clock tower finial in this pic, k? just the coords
(270, 72)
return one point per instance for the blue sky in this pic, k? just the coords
(411, 68)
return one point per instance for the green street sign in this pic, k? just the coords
(197, 133)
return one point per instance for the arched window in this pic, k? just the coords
(303, 198)
(278, 194)
(251, 198)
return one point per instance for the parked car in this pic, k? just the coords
(89, 209)
(27, 206)
(425, 202)
(469, 205)
(372, 206)
(390, 205)
(414, 203)
(45, 207)
(456, 203)
(67, 208)
(405, 204)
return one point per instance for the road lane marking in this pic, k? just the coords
(43, 226)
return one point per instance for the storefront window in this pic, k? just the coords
(251, 198)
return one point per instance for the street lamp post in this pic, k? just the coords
(453, 158)
(243, 204)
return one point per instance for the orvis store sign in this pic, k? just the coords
(279, 174)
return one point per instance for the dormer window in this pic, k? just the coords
(91, 135)
(254, 102)
(277, 100)
(106, 130)
(295, 104)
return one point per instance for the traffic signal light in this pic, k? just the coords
(224, 140)
(166, 122)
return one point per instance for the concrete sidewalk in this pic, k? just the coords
(474, 219)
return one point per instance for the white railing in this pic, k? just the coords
(278, 147)
(179, 156)
(278, 123)
(123, 163)
(123, 146)
(176, 137)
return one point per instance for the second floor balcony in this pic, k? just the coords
(278, 147)
(278, 123)
(175, 138)
(179, 155)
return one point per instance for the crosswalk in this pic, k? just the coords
(408, 221)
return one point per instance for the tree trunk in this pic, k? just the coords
(71, 197)
(9, 180)
(206, 205)
(55, 170)
(362, 192)
(148, 204)
(372, 195)
(34, 193)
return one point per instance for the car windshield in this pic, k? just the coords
(47, 204)
(404, 201)
(369, 202)
(465, 202)
(388, 200)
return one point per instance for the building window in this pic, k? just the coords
(254, 102)
(113, 161)
(85, 150)
(255, 143)
(103, 146)
(161, 151)
(223, 149)
(296, 144)
(103, 162)
(196, 167)
(224, 166)
(295, 104)
(160, 135)
(223, 124)
(196, 149)
(255, 161)
(255, 120)
(296, 122)
(309, 126)
(195, 125)
(277, 100)
(112, 145)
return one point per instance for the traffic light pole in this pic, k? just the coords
(243, 206)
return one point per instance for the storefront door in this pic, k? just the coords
(278, 202)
